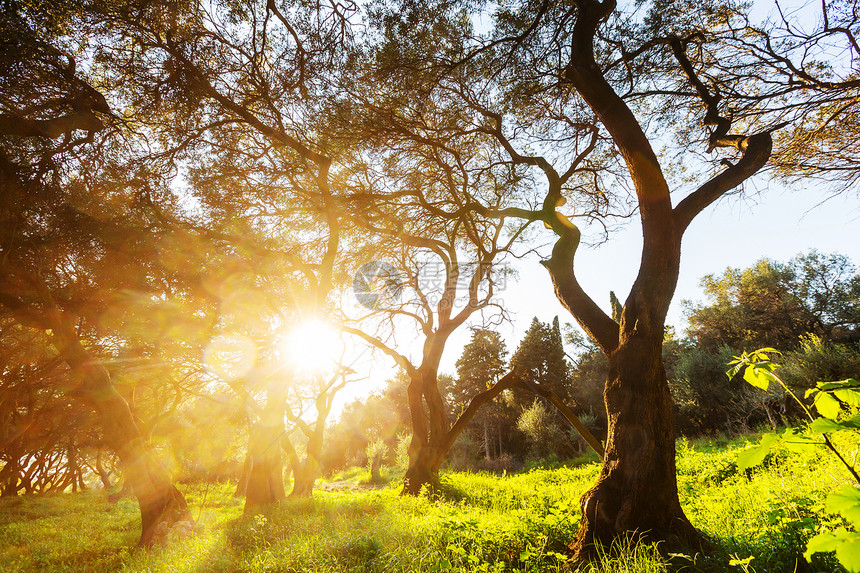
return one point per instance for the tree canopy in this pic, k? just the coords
(182, 183)
(773, 304)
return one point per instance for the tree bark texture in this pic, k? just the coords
(305, 472)
(636, 492)
(429, 427)
(265, 485)
(304, 476)
(242, 485)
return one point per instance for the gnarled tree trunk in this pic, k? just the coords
(161, 504)
(305, 473)
(265, 485)
(429, 425)
(304, 476)
(423, 471)
(637, 491)
(242, 485)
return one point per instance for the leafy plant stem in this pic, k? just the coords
(827, 442)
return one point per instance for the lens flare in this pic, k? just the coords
(230, 357)
(310, 347)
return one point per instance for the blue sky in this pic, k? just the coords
(777, 222)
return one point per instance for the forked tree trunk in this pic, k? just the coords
(161, 504)
(636, 492)
(304, 476)
(430, 432)
(305, 473)
(265, 485)
(423, 469)
(431, 438)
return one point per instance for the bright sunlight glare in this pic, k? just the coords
(310, 347)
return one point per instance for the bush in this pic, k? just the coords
(401, 451)
(817, 360)
(543, 432)
(709, 402)
(375, 452)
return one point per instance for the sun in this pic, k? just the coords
(310, 347)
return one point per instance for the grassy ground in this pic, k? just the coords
(518, 523)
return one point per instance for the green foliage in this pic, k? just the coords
(383, 415)
(830, 399)
(588, 378)
(773, 303)
(757, 367)
(480, 366)
(375, 452)
(705, 401)
(520, 523)
(541, 357)
(846, 544)
(616, 305)
(543, 432)
(754, 456)
(401, 451)
(818, 359)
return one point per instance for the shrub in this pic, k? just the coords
(375, 452)
(401, 451)
(543, 431)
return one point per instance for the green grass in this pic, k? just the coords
(482, 522)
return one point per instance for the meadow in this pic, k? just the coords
(759, 520)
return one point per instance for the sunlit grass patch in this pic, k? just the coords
(519, 523)
(66, 532)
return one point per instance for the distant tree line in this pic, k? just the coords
(808, 307)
